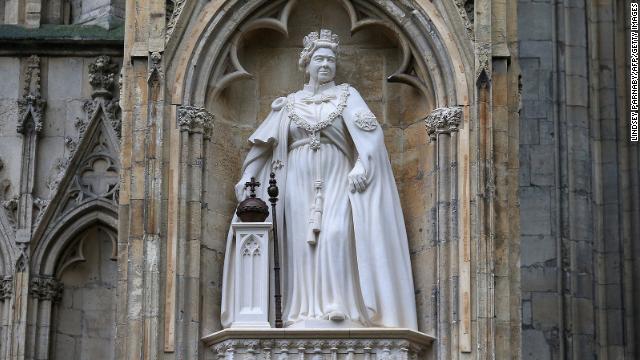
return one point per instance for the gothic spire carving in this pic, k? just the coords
(31, 106)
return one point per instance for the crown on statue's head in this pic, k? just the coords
(326, 36)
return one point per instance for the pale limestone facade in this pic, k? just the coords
(520, 197)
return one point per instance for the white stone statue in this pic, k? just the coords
(345, 256)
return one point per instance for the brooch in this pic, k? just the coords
(366, 120)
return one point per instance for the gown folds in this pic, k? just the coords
(341, 251)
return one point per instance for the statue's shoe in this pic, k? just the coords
(336, 316)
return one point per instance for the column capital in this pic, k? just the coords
(46, 288)
(443, 120)
(6, 288)
(195, 120)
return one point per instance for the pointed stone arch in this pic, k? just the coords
(202, 59)
(47, 254)
(75, 190)
(421, 29)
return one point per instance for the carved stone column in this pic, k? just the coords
(29, 124)
(6, 292)
(184, 231)
(452, 255)
(45, 291)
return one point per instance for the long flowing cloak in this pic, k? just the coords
(382, 249)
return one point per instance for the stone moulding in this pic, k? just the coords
(175, 8)
(443, 120)
(347, 343)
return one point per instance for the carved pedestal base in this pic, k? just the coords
(317, 344)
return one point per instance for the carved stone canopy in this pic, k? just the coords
(30, 108)
(443, 120)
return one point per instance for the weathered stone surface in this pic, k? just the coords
(65, 77)
(535, 346)
(537, 249)
(10, 75)
(536, 214)
(542, 165)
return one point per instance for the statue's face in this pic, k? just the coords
(322, 67)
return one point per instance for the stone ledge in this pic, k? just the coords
(62, 33)
(61, 40)
(349, 343)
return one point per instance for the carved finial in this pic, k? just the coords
(102, 77)
(155, 66)
(32, 77)
(31, 106)
(273, 190)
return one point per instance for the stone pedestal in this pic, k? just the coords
(251, 285)
(352, 343)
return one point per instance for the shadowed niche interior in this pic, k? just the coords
(84, 320)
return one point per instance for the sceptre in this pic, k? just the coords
(273, 191)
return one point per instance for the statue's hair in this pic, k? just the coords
(313, 42)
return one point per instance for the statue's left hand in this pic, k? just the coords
(358, 178)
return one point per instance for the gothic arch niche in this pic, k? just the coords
(58, 251)
(238, 64)
(83, 321)
(366, 59)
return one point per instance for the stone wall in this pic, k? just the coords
(577, 174)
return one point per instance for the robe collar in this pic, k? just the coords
(322, 88)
